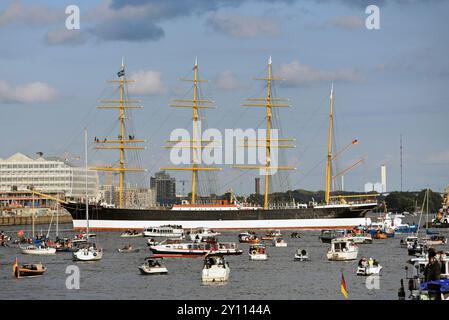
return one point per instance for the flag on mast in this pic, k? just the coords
(343, 287)
(121, 73)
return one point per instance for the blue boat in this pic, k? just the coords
(406, 229)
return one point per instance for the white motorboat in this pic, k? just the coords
(408, 241)
(166, 231)
(90, 252)
(279, 242)
(271, 235)
(131, 234)
(153, 266)
(258, 252)
(198, 234)
(40, 250)
(361, 238)
(368, 267)
(342, 249)
(434, 240)
(152, 242)
(215, 268)
(301, 255)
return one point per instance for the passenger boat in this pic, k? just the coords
(131, 234)
(222, 214)
(28, 270)
(328, 235)
(258, 252)
(279, 242)
(215, 268)
(368, 267)
(342, 249)
(198, 234)
(249, 237)
(88, 252)
(166, 231)
(272, 234)
(179, 248)
(301, 255)
(128, 249)
(153, 266)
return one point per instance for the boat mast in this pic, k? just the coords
(196, 143)
(329, 149)
(122, 141)
(87, 196)
(32, 232)
(268, 102)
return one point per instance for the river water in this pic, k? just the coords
(117, 276)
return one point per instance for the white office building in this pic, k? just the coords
(50, 174)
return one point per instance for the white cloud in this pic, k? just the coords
(33, 15)
(147, 83)
(228, 81)
(344, 22)
(239, 26)
(296, 73)
(27, 93)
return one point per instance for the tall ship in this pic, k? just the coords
(224, 214)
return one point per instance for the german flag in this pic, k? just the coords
(343, 286)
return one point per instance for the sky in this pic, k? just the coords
(388, 83)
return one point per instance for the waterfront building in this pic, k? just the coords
(165, 187)
(133, 197)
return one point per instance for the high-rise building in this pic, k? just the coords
(165, 187)
(383, 177)
(49, 174)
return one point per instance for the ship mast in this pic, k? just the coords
(196, 143)
(329, 149)
(122, 143)
(268, 102)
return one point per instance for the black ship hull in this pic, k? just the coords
(323, 217)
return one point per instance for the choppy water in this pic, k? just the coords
(117, 276)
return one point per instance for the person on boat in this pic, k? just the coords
(432, 271)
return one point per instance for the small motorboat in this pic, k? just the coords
(408, 241)
(249, 237)
(279, 242)
(328, 235)
(152, 242)
(89, 252)
(215, 268)
(271, 235)
(380, 235)
(153, 266)
(258, 252)
(342, 249)
(368, 267)
(64, 245)
(131, 234)
(295, 235)
(435, 240)
(301, 255)
(361, 238)
(199, 234)
(128, 249)
(28, 270)
(416, 248)
(40, 249)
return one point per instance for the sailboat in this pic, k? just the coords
(221, 214)
(88, 251)
(38, 247)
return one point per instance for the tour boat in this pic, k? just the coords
(301, 255)
(215, 268)
(368, 267)
(198, 234)
(28, 270)
(89, 252)
(279, 242)
(258, 252)
(271, 235)
(166, 231)
(179, 248)
(328, 235)
(128, 249)
(248, 237)
(342, 249)
(153, 266)
(131, 234)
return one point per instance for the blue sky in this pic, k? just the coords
(387, 82)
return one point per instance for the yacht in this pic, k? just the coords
(342, 249)
(258, 252)
(153, 266)
(215, 268)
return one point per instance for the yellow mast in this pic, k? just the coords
(269, 103)
(329, 149)
(196, 143)
(122, 142)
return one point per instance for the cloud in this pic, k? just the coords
(296, 73)
(27, 93)
(228, 81)
(30, 15)
(344, 22)
(147, 83)
(239, 26)
(64, 37)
